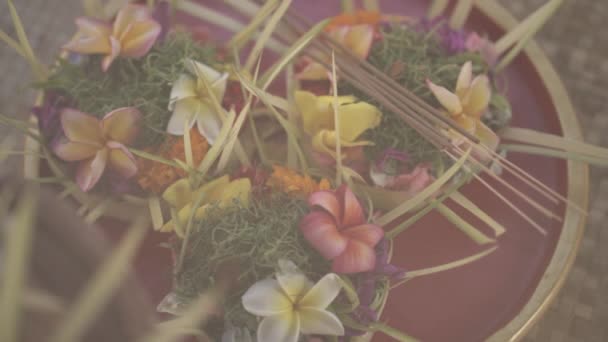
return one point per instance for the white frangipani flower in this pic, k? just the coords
(191, 103)
(292, 305)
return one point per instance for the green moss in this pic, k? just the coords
(253, 238)
(410, 57)
(143, 83)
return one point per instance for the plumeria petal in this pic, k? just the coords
(464, 79)
(320, 322)
(358, 257)
(266, 298)
(140, 38)
(316, 115)
(129, 15)
(448, 100)
(121, 125)
(368, 233)
(352, 211)
(219, 86)
(185, 111)
(322, 293)
(478, 97)
(320, 230)
(359, 39)
(208, 122)
(284, 328)
(415, 181)
(107, 61)
(90, 171)
(356, 118)
(178, 194)
(199, 70)
(92, 37)
(183, 88)
(329, 201)
(313, 71)
(121, 160)
(81, 127)
(73, 151)
(293, 282)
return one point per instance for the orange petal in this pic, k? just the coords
(357, 257)
(121, 125)
(369, 234)
(80, 127)
(90, 171)
(327, 200)
(448, 100)
(352, 211)
(321, 232)
(73, 151)
(140, 38)
(121, 160)
(92, 37)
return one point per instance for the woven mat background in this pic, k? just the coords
(574, 40)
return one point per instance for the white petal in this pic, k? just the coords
(320, 322)
(265, 298)
(292, 281)
(183, 88)
(323, 293)
(185, 111)
(280, 328)
(199, 69)
(219, 86)
(209, 123)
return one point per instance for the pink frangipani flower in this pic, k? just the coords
(132, 34)
(98, 143)
(338, 229)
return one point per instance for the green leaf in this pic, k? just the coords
(472, 232)
(464, 202)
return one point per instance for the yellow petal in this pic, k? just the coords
(121, 160)
(359, 39)
(121, 125)
(315, 116)
(488, 138)
(82, 128)
(464, 79)
(73, 151)
(140, 38)
(325, 142)
(357, 118)
(448, 100)
(90, 171)
(179, 194)
(478, 97)
(212, 189)
(313, 72)
(185, 111)
(92, 37)
(238, 190)
(127, 16)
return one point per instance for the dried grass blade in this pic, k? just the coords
(348, 6)
(549, 152)
(242, 37)
(472, 232)
(16, 262)
(35, 64)
(461, 13)
(451, 265)
(156, 213)
(291, 53)
(424, 194)
(437, 7)
(218, 146)
(371, 5)
(100, 288)
(464, 202)
(335, 105)
(266, 34)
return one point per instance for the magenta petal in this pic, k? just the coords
(321, 232)
(140, 38)
(73, 151)
(121, 125)
(370, 234)
(327, 200)
(353, 212)
(358, 257)
(90, 171)
(107, 61)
